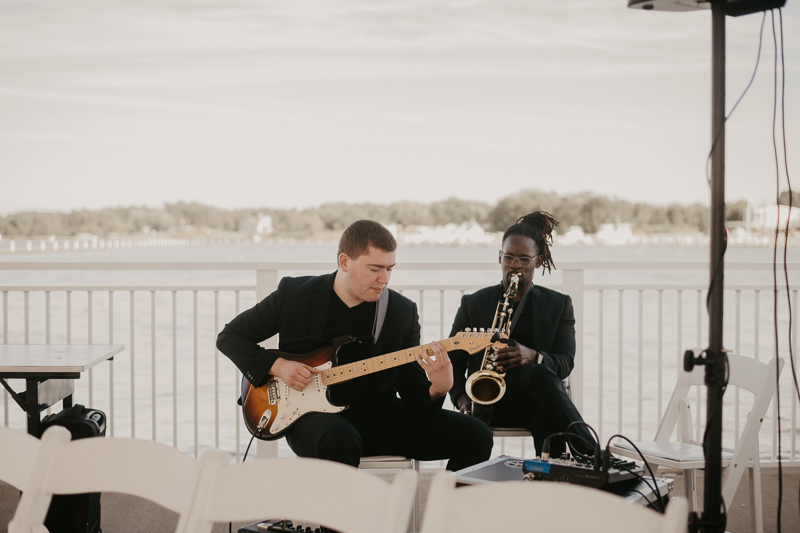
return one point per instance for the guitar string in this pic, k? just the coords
(350, 371)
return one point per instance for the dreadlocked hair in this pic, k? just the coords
(538, 226)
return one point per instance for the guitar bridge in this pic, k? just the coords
(272, 392)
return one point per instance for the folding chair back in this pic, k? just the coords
(541, 506)
(304, 490)
(137, 467)
(18, 451)
(743, 372)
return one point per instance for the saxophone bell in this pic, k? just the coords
(486, 387)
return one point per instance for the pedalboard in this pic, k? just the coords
(618, 473)
(280, 526)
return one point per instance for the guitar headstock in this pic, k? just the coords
(473, 340)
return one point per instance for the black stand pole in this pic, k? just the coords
(713, 518)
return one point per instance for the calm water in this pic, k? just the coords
(170, 357)
(327, 252)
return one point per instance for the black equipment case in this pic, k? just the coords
(76, 513)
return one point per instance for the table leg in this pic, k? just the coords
(32, 402)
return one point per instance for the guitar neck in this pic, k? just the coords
(340, 374)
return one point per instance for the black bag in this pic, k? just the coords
(76, 513)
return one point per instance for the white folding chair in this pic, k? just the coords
(304, 490)
(18, 451)
(391, 464)
(137, 467)
(687, 454)
(541, 506)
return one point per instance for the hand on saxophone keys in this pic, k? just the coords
(511, 357)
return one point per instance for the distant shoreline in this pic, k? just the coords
(129, 242)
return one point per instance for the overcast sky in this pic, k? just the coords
(297, 103)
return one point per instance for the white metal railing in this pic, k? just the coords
(116, 243)
(171, 385)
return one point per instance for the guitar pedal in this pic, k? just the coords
(281, 526)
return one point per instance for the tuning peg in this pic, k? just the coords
(482, 330)
(467, 329)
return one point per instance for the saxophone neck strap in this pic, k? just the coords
(518, 310)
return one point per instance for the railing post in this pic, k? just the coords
(573, 286)
(266, 284)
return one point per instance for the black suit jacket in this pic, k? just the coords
(552, 329)
(297, 311)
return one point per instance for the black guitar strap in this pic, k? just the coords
(380, 315)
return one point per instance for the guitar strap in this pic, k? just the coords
(380, 315)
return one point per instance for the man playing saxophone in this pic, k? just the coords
(542, 323)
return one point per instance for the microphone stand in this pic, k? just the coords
(713, 518)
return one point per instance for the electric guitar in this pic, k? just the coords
(270, 410)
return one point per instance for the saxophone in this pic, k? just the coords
(485, 387)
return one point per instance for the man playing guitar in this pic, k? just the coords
(396, 411)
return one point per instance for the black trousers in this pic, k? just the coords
(535, 399)
(398, 430)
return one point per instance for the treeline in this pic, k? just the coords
(587, 210)
(120, 220)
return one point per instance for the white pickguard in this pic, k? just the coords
(293, 404)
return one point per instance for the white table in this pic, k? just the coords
(49, 371)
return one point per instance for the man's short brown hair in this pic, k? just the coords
(362, 234)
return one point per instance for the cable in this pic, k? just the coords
(546, 443)
(643, 479)
(646, 499)
(248, 447)
(719, 403)
(785, 249)
(723, 520)
(652, 475)
(775, 246)
(579, 422)
(606, 456)
(596, 454)
(719, 132)
(791, 200)
(246, 451)
(711, 152)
